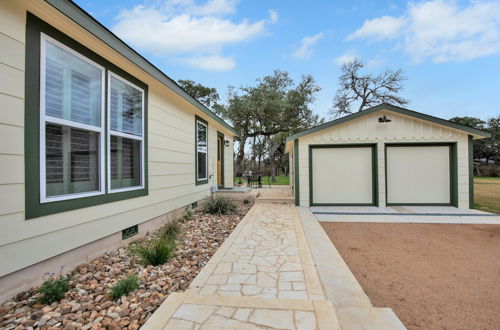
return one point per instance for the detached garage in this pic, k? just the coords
(384, 156)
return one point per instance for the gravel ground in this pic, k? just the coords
(87, 304)
(434, 276)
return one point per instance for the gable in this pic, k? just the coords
(400, 128)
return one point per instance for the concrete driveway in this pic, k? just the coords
(403, 214)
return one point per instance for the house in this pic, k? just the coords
(96, 144)
(384, 156)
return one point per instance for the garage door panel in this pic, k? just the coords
(342, 175)
(418, 175)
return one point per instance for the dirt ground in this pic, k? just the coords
(434, 276)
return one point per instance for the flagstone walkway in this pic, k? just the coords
(262, 277)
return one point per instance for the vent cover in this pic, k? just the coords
(130, 231)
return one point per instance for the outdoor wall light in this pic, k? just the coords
(384, 119)
(226, 143)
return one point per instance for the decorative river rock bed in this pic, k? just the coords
(87, 304)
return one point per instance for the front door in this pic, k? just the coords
(220, 159)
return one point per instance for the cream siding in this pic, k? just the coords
(401, 129)
(171, 165)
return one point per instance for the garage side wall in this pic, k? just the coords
(401, 129)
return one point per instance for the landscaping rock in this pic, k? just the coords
(88, 306)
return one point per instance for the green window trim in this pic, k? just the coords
(33, 207)
(296, 171)
(375, 188)
(471, 171)
(202, 181)
(222, 151)
(453, 171)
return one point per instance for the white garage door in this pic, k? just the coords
(418, 175)
(342, 175)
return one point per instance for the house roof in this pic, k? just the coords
(82, 18)
(389, 107)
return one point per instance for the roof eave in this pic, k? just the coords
(478, 134)
(87, 22)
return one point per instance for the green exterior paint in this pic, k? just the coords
(373, 147)
(82, 18)
(399, 110)
(453, 172)
(196, 181)
(33, 207)
(223, 146)
(471, 172)
(296, 171)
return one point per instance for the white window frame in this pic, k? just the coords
(205, 152)
(125, 135)
(44, 119)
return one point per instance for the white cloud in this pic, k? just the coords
(211, 63)
(345, 58)
(440, 29)
(381, 28)
(150, 29)
(273, 16)
(173, 27)
(211, 7)
(306, 46)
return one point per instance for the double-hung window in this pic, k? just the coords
(201, 135)
(85, 133)
(71, 123)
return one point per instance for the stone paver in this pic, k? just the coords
(262, 277)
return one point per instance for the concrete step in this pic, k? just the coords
(369, 318)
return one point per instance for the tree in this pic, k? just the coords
(484, 148)
(367, 90)
(274, 105)
(208, 96)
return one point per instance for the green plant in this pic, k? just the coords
(188, 214)
(154, 252)
(246, 201)
(124, 286)
(219, 205)
(171, 231)
(54, 288)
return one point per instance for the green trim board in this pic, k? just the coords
(374, 153)
(296, 171)
(196, 181)
(87, 22)
(223, 147)
(471, 171)
(33, 207)
(396, 109)
(453, 171)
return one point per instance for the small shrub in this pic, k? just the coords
(54, 288)
(124, 286)
(154, 252)
(219, 205)
(188, 214)
(172, 231)
(246, 201)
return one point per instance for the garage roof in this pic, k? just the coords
(389, 107)
(82, 18)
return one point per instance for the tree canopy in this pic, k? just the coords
(366, 90)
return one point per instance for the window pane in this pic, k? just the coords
(201, 136)
(125, 108)
(125, 162)
(202, 165)
(72, 160)
(72, 87)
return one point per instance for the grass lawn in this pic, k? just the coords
(280, 180)
(487, 194)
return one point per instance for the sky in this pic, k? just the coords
(449, 50)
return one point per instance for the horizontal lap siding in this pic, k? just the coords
(401, 129)
(171, 166)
